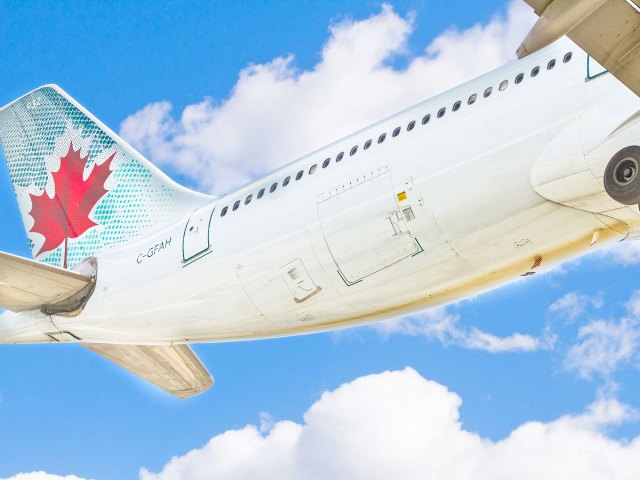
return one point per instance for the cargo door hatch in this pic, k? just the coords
(364, 228)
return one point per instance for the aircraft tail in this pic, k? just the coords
(80, 188)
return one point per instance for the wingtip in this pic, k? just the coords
(192, 392)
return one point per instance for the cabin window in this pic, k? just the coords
(382, 137)
(535, 71)
(353, 151)
(567, 57)
(503, 86)
(339, 157)
(519, 78)
(248, 199)
(412, 124)
(472, 99)
(300, 173)
(236, 205)
(487, 92)
(286, 181)
(551, 64)
(273, 187)
(261, 193)
(426, 119)
(313, 169)
(367, 144)
(456, 106)
(441, 112)
(396, 132)
(326, 162)
(224, 211)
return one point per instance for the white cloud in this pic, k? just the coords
(41, 476)
(625, 253)
(277, 112)
(439, 323)
(605, 345)
(400, 425)
(573, 304)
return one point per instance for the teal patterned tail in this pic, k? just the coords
(80, 188)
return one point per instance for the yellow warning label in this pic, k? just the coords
(402, 196)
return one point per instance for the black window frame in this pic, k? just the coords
(411, 125)
(353, 151)
(286, 181)
(519, 78)
(236, 205)
(382, 138)
(472, 99)
(567, 57)
(535, 71)
(367, 144)
(551, 64)
(426, 119)
(273, 187)
(487, 92)
(247, 200)
(261, 193)
(313, 168)
(456, 106)
(224, 211)
(339, 157)
(299, 175)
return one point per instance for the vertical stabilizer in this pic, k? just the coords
(80, 188)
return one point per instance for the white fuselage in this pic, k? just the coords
(435, 214)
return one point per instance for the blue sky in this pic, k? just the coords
(64, 410)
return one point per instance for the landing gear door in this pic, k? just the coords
(364, 227)
(196, 240)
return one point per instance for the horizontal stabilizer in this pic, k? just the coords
(26, 284)
(175, 369)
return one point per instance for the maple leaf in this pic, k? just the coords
(66, 215)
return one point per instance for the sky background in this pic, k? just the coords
(528, 380)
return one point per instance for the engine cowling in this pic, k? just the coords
(571, 169)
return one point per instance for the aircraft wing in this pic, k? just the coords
(175, 369)
(26, 284)
(608, 30)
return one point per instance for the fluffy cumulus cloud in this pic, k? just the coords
(400, 425)
(444, 325)
(276, 112)
(403, 426)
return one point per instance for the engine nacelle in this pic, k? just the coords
(571, 169)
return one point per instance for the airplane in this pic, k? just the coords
(522, 168)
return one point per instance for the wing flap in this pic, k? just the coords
(26, 284)
(609, 30)
(175, 369)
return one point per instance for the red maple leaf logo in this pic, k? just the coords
(66, 215)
